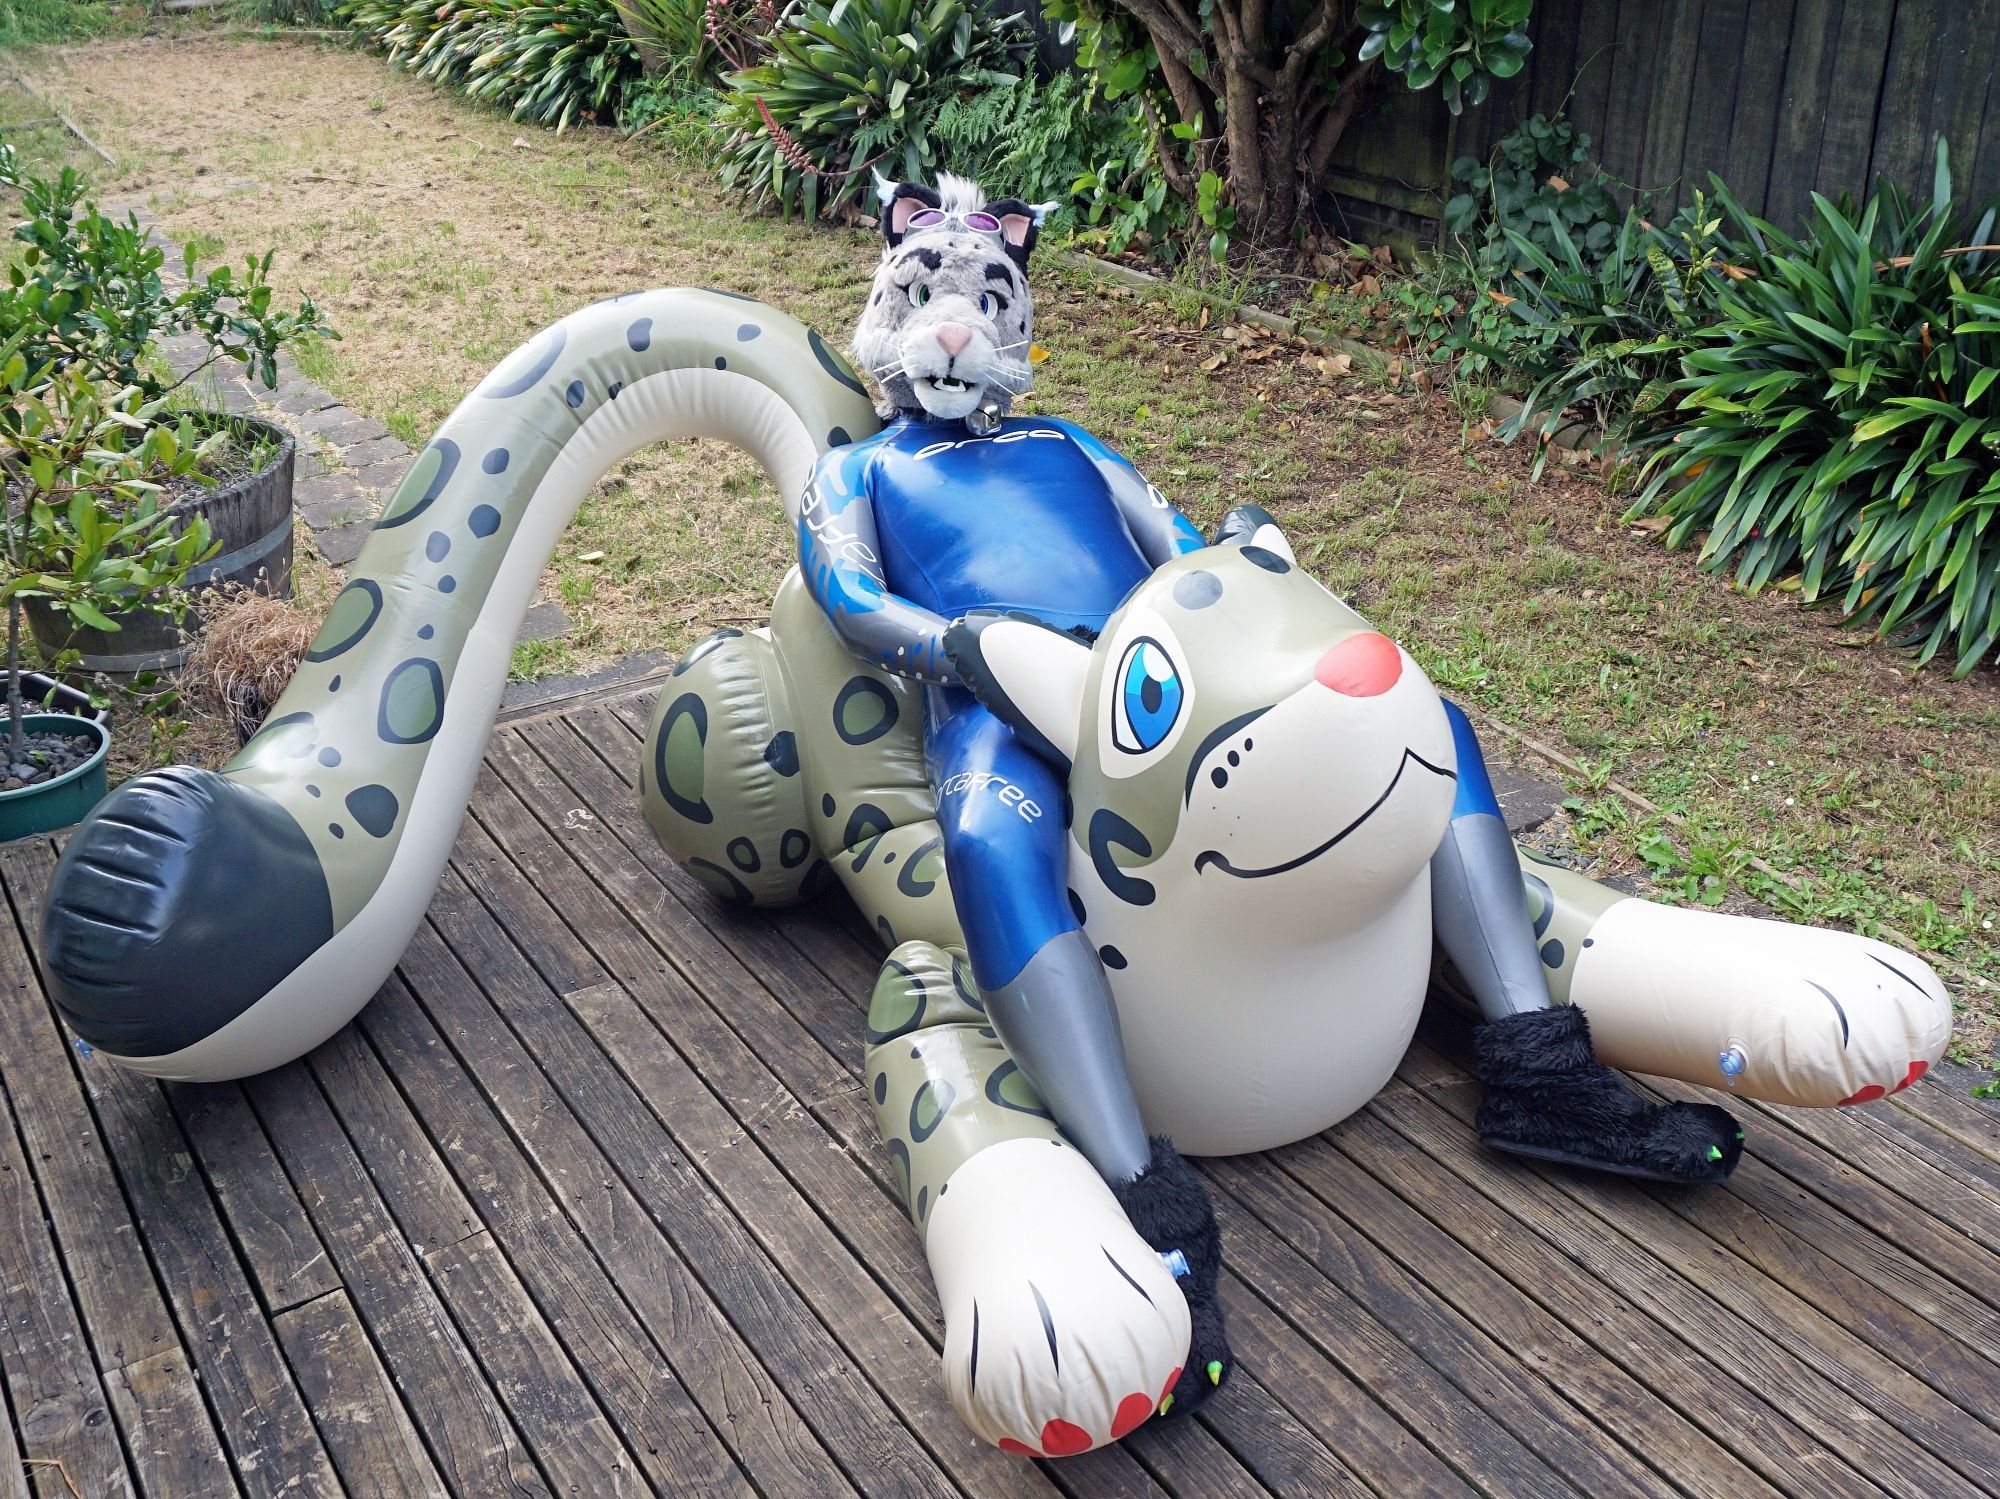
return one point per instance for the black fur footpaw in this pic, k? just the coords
(1169, 1207)
(1547, 1096)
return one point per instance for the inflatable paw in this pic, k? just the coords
(1063, 1328)
(1788, 1014)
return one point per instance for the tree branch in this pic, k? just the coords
(1169, 30)
(1355, 84)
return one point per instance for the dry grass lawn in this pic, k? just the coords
(438, 235)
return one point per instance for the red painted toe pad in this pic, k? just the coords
(1132, 1413)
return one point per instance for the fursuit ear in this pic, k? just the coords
(1030, 675)
(900, 200)
(1020, 223)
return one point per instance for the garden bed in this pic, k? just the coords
(437, 235)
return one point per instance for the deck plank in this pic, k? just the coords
(1516, 1397)
(590, 1201)
(369, 1435)
(1534, 1332)
(59, 1404)
(464, 1426)
(121, 1302)
(274, 1236)
(172, 1443)
(261, 1417)
(1657, 1259)
(550, 1355)
(619, 1297)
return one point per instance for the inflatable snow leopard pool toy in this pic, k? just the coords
(1258, 892)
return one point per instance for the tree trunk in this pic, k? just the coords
(16, 740)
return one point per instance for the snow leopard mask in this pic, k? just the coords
(948, 323)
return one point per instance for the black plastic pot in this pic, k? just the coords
(251, 518)
(38, 689)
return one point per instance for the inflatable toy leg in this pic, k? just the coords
(1783, 1013)
(719, 774)
(1063, 1328)
(205, 925)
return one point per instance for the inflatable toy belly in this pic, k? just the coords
(206, 925)
(1227, 1061)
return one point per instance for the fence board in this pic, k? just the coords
(1781, 98)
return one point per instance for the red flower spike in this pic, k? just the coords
(1008, 1444)
(1061, 1439)
(1132, 1413)
(1867, 1095)
(1917, 1070)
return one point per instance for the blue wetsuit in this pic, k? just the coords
(909, 529)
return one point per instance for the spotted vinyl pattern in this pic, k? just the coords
(345, 746)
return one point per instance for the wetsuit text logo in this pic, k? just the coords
(981, 780)
(1019, 434)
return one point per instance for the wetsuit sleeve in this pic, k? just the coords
(1478, 907)
(1162, 532)
(841, 558)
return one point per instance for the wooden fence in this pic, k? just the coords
(1781, 98)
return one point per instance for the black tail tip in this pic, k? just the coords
(179, 903)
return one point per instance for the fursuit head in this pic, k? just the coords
(949, 321)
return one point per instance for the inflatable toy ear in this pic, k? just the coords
(1029, 674)
(899, 201)
(1253, 526)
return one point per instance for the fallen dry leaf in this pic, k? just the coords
(1214, 362)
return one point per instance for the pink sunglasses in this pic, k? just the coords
(930, 218)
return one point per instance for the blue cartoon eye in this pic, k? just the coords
(1148, 700)
(987, 306)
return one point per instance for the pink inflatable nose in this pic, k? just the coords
(953, 337)
(1364, 665)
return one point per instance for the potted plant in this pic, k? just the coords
(82, 533)
(87, 291)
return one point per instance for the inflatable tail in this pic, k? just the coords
(207, 925)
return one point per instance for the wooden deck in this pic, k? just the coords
(589, 1202)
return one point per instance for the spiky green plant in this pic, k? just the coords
(1838, 429)
(547, 62)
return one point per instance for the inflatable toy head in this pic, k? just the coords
(1235, 731)
(1253, 770)
(947, 327)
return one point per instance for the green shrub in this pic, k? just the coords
(1838, 429)
(1060, 142)
(311, 13)
(855, 85)
(85, 290)
(670, 110)
(679, 29)
(1538, 176)
(548, 62)
(1606, 338)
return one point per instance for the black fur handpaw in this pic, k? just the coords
(1169, 1207)
(1547, 1096)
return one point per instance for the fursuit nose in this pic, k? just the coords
(1364, 665)
(952, 338)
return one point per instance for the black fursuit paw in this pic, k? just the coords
(1548, 1096)
(1169, 1207)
